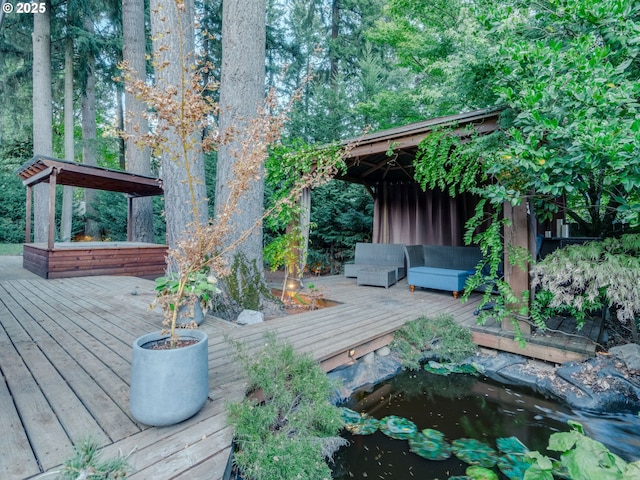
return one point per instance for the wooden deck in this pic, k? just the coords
(65, 348)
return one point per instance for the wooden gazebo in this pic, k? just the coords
(403, 213)
(72, 259)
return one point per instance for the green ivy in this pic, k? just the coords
(445, 162)
(244, 287)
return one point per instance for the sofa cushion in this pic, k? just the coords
(438, 278)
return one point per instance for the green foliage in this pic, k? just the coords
(579, 278)
(87, 464)
(581, 457)
(286, 165)
(443, 52)
(568, 69)
(12, 207)
(343, 215)
(10, 249)
(440, 335)
(444, 162)
(199, 286)
(110, 215)
(295, 429)
(445, 369)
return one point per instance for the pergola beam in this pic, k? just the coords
(42, 169)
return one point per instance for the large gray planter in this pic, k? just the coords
(190, 313)
(168, 386)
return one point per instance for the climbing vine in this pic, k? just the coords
(465, 164)
(285, 167)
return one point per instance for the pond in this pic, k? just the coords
(464, 406)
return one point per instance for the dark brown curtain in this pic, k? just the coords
(403, 213)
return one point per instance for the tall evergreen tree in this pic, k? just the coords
(69, 138)
(89, 127)
(42, 115)
(172, 30)
(242, 88)
(138, 159)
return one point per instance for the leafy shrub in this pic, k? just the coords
(441, 335)
(581, 457)
(295, 429)
(579, 278)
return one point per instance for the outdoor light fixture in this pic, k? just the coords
(292, 286)
(351, 353)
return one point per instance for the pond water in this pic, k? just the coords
(464, 406)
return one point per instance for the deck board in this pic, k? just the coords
(65, 352)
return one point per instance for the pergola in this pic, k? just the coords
(383, 163)
(368, 163)
(40, 258)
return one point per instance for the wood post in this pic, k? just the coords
(129, 218)
(516, 235)
(53, 181)
(27, 232)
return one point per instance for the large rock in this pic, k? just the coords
(250, 317)
(361, 375)
(602, 384)
(629, 354)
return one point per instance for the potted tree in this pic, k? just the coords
(169, 371)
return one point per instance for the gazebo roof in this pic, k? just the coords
(368, 163)
(40, 168)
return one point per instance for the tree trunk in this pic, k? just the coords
(67, 197)
(241, 93)
(138, 160)
(42, 116)
(335, 31)
(89, 137)
(173, 47)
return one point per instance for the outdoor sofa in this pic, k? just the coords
(378, 264)
(440, 267)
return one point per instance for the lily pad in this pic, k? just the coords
(511, 445)
(398, 427)
(430, 444)
(350, 416)
(512, 462)
(359, 423)
(481, 473)
(513, 466)
(474, 452)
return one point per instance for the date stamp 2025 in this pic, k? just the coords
(24, 7)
